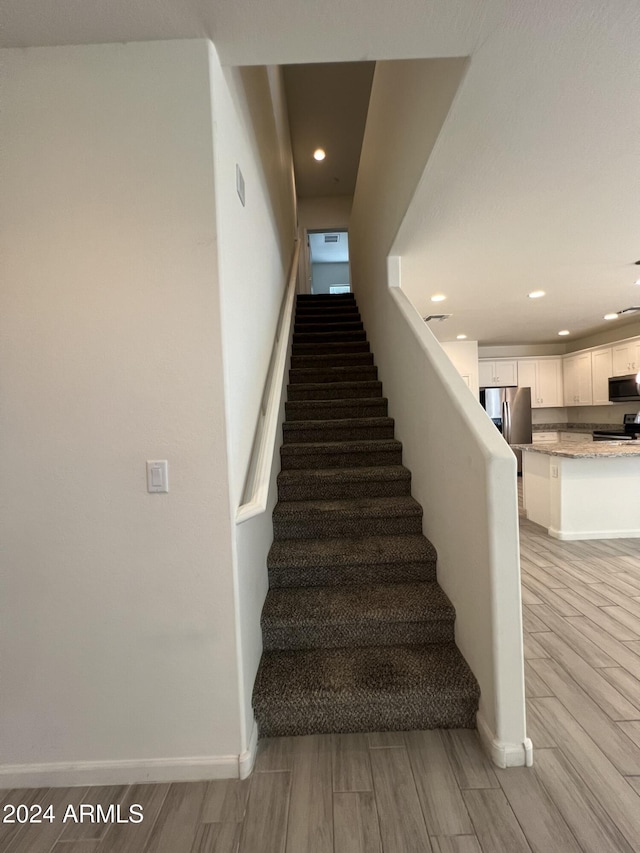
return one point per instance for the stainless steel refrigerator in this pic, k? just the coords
(510, 410)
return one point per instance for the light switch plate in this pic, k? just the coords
(157, 475)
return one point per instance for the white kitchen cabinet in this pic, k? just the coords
(601, 370)
(497, 373)
(626, 358)
(544, 377)
(573, 437)
(577, 379)
(546, 437)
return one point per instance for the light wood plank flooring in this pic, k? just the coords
(431, 791)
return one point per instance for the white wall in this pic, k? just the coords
(255, 247)
(255, 240)
(315, 214)
(464, 357)
(325, 276)
(117, 628)
(139, 305)
(462, 472)
(326, 212)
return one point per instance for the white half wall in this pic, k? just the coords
(255, 244)
(117, 623)
(464, 357)
(463, 473)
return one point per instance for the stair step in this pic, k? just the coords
(344, 429)
(334, 390)
(343, 316)
(352, 560)
(380, 688)
(337, 483)
(341, 454)
(325, 298)
(327, 311)
(328, 337)
(334, 326)
(363, 407)
(317, 361)
(366, 615)
(330, 348)
(313, 375)
(320, 519)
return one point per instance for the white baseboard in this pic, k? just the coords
(57, 775)
(248, 757)
(503, 753)
(569, 536)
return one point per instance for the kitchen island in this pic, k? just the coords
(589, 490)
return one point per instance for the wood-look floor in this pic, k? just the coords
(431, 791)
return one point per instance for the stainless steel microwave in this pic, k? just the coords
(624, 389)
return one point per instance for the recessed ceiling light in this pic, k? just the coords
(536, 294)
(461, 337)
(439, 297)
(564, 332)
(611, 316)
(319, 154)
(637, 281)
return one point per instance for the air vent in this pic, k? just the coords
(440, 317)
(331, 238)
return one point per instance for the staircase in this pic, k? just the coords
(357, 634)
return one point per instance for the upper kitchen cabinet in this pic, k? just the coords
(497, 373)
(601, 370)
(544, 377)
(626, 358)
(577, 379)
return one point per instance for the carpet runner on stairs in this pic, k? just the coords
(357, 634)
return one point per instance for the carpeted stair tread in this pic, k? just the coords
(349, 407)
(333, 617)
(335, 390)
(338, 359)
(346, 454)
(354, 373)
(322, 312)
(355, 551)
(330, 348)
(328, 337)
(369, 602)
(325, 298)
(329, 483)
(335, 317)
(318, 519)
(352, 560)
(376, 688)
(333, 326)
(371, 507)
(337, 429)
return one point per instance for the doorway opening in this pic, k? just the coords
(329, 261)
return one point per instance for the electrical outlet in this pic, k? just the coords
(554, 471)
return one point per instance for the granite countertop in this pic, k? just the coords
(585, 449)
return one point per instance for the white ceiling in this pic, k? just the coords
(535, 179)
(327, 105)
